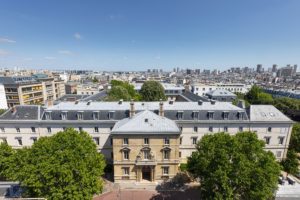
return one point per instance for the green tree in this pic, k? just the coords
(64, 166)
(117, 93)
(95, 80)
(152, 91)
(291, 163)
(6, 153)
(122, 90)
(234, 167)
(2, 111)
(295, 138)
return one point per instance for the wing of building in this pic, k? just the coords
(146, 140)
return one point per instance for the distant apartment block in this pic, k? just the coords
(202, 89)
(27, 90)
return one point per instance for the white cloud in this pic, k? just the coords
(49, 58)
(6, 40)
(77, 36)
(65, 52)
(3, 52)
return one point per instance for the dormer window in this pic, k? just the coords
(80, 115)
(225, 115)
(166, 141)
(111, 114)
(179, 115)
(195, 115)
(48, 115)
(210, 115)
(240, 115)
(64, 115)
(96, 115)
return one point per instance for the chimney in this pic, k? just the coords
(241, 104)
(120, 101)
(132, 109)
(171, 102)
(89, 102)
(213, 102)
(200, 102)
(76, 102)
(161, 108)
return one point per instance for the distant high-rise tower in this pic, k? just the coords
(259, 68)
(274, 68)
(295, 69)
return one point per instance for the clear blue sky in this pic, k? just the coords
(141, 34)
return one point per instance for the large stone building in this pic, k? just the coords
(146, 140)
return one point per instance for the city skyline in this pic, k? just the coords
(138, 35)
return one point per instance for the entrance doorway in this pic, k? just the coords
(146, 173)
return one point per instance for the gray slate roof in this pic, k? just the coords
(220, 93)
(266, 113)
(145, 122)
(24, 112)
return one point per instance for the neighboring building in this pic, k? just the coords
(146, 140)
(259, 68)
(3, 101)
(36, 89)
(221, 95)
(171, 90)
(201, 89)
(71, 87)
(89, 89)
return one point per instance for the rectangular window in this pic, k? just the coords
(240, 115)
(95, 115)
(210, 115)
(225, 129)
(180, 140)
(194, 140)
(146, 155)
(96, 129)
(278, 154)
(179, 154)
(126, 155)
(210, 129)
(48, 115)
(280, 140)
(267, 140)
(179, 115)
(79, 115)
(146, 140)
(111, 114)
(167, 141)
(126, 171)
(34, 139)
(96, 140)
(125, 141)
(64, 115)
(195, 129)
(269, 129)
(195, 115)
(49, 129)
(18, 130)
(165, 170)
(2, 130)
(111, 141)
(166, 154)
(225, 115)
(240, 129)
(19, 140)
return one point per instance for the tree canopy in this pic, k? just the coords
(152, 91)
(257, 96)
(234, 167)
(122, 90)
(63, 166)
